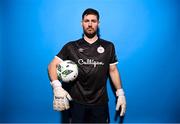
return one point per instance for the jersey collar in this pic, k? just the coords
(91, 44)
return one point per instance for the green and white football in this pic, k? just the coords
(67, 71)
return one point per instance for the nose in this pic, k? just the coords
(90, 23)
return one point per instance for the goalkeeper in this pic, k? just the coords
(87, 99)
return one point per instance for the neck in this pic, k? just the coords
(91, 40)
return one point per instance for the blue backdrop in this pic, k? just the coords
(146, 37)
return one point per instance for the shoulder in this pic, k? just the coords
(72, 43)
(107, 43)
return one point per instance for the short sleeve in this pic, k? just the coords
(113, 57)
(63, 53)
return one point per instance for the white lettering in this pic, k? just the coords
(90, 62)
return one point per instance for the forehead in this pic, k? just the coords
(90, 16)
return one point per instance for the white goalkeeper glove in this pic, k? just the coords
(121, 101)
(61, 96)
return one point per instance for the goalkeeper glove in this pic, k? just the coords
(121, 101)
(61, 96)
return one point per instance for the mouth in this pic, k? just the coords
(90, 29)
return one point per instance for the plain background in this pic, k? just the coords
(146, 37)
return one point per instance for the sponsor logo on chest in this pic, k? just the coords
(90, 62)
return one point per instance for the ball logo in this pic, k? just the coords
(100, 49)
(67, 72)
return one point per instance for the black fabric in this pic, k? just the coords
(89, 114)
(93, 65)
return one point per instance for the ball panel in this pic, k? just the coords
(67, 71)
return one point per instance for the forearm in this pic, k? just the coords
(115, 77)
(52, 71)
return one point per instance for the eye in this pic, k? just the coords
(94, 21)
(86, 21)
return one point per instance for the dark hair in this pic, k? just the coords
(90, 11)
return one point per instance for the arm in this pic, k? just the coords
(121, 101)
(52, 69)
(114, 74)
(61, 96)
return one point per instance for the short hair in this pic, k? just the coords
(90, 11)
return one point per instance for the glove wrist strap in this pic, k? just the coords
(119, 92)
(56, 83)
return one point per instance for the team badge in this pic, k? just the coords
(100, 49)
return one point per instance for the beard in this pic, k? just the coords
(90, 34)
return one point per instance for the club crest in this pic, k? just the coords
(100, 49)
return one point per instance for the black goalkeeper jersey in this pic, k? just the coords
(93, 62)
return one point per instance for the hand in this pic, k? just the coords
(61, 97)
(121, 102)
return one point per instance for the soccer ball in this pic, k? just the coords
(67, 71)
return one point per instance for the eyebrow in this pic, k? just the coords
(95, 20)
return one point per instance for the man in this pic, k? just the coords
(96, 60)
